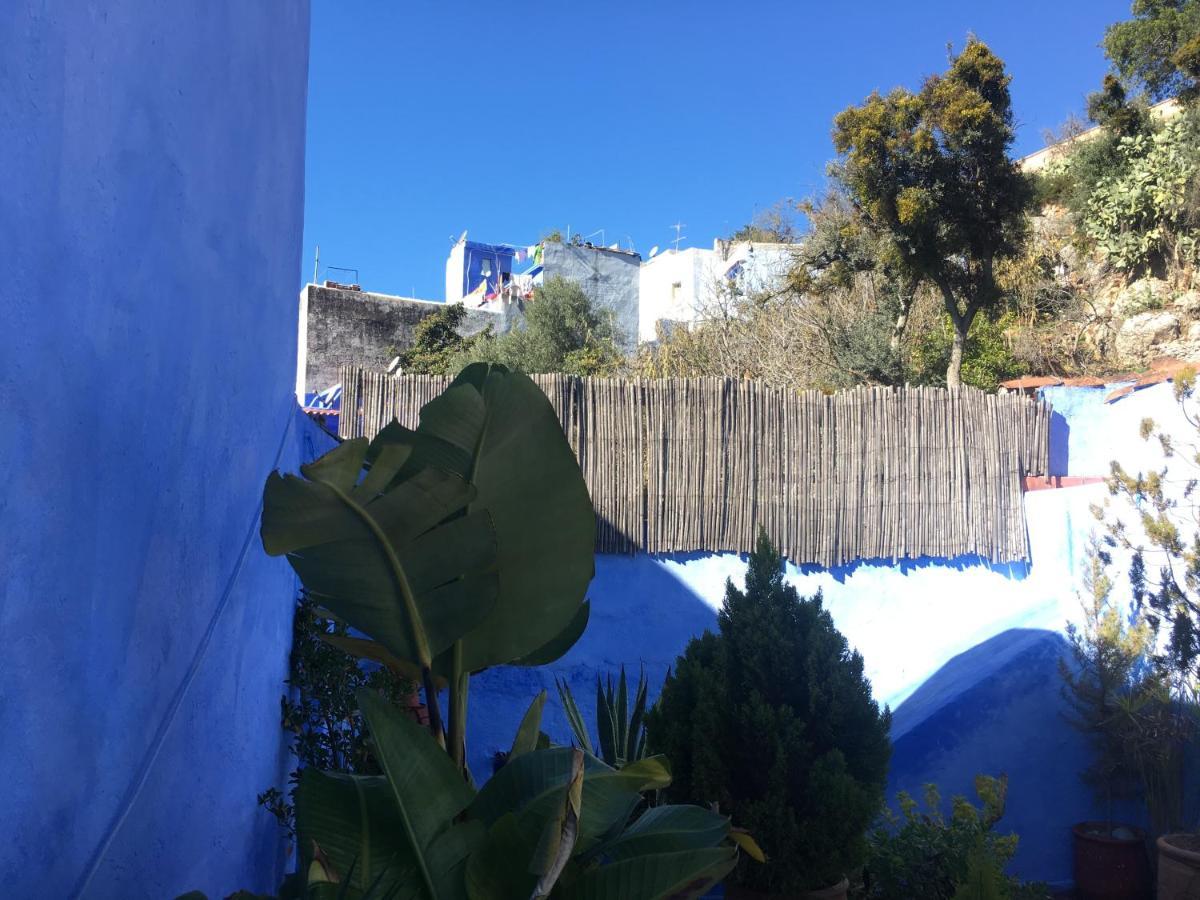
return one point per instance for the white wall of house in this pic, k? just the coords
(683, 285)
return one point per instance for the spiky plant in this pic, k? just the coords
(622, 733)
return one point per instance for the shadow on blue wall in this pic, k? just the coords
(1060, 443)
(998, 708)
(642, 616)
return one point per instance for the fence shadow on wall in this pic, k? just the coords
(685, 464)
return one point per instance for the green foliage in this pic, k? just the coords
(467, 543)
(620, 727)
(327, 732)
(1156, 49)
(1147, 211)
(553, 823)
(1107, 652)
(987, 357)
(437, 342)
(924, 854)
(1152, 721)
(772, 719)
(562, 332)
(931, 173)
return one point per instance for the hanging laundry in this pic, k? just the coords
(537, 254)
(522, 254)
(734, 271)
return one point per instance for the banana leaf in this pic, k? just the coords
(680, 875)
(497, 431)
(429, 794)
(390, 562)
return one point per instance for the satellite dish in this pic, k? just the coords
(653, 250)
(616, 246)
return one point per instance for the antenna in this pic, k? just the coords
(316, 263)
(678, 226)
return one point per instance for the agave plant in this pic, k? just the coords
(464, 544)
(622, 731)
(552, 823)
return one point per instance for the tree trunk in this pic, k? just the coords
(954, 370)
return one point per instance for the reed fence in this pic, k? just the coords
(699, 464)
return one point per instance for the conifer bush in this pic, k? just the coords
(772, 719)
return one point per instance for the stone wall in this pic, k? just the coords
(357, 328)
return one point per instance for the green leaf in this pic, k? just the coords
(685, 874)
(666, 829)
(361, 648)
(605, 724)
(574, 717)
(560, 833)
(561, 643)
(637, 736)
(526, 739)
(354, 820)
(387, 564)
(428, 789)
(498, 431)
(621, 721)
(533, 782)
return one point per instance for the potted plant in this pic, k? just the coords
(771, 720)
(1099, 681)
(1165, 575)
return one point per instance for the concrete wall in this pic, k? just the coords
(153, 185)
(357, 328)
(966, 653)
(608, 277)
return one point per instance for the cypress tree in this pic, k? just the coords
(772, 719)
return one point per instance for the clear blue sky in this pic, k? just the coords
(512, 119)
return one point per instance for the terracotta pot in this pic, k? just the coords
(837, 892)
(1179, 867)
(1110, 868)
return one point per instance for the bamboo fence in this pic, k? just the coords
(700, 464)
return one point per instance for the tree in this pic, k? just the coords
(930, 171)
(437, 341)
(772, 719)
(562, 332)
(771, 226)
(1158, 50)
(842, 251)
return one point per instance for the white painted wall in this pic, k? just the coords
(679, 286)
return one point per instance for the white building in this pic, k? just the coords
(684, 286)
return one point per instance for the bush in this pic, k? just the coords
(321, 713)
(772, 719)
(1145, 213)
(922, 854)
(987, 357)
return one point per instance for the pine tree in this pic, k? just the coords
(772, 719)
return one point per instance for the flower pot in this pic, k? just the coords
(836, 892)
(1179, 867)
(1108, 867)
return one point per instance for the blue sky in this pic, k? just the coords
(510, 120)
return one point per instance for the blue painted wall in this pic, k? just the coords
(152, 184)
(496, 259)
(965, 653)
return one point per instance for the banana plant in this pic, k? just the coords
(463, 544)
(622, 731)
(552, 823)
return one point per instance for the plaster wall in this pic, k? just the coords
(608, 277)
(965, 653)
(679, 286)
(153, 186)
